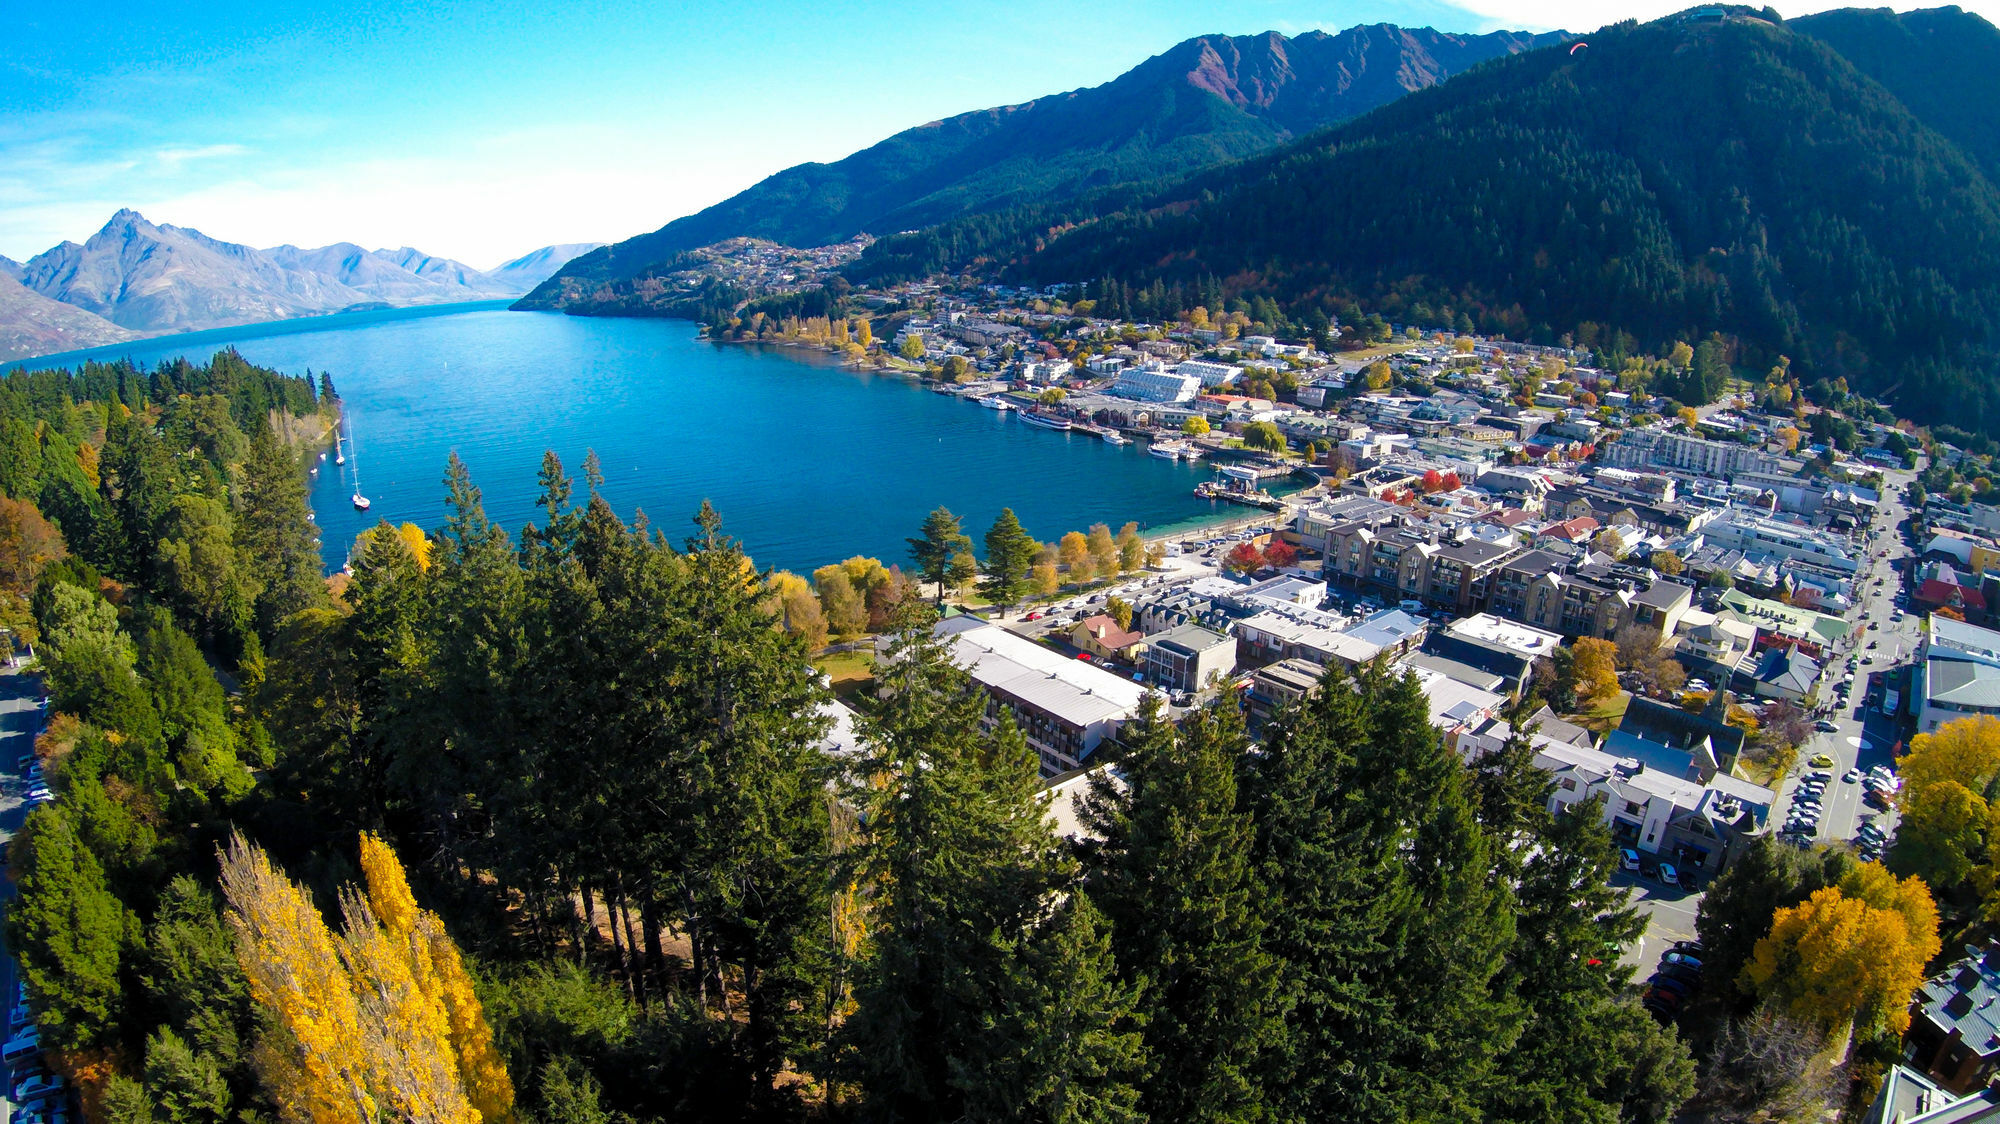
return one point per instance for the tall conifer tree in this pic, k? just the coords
(978, 945)
(1174, 873)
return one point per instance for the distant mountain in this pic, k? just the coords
(1671, 180)
(446, 271)
(1209, 100)
(378, 275)
(32, 324)
(1942, 63)
(149, 279)
(165, 278)
(529, 270)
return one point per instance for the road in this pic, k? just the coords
(1878, 645)
(1863, 738)
(20, 722)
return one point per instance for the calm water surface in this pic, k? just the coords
(808, 463)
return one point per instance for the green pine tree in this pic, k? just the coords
(68, 930)
(1174, 873)
(941, 540)
(274, 536)
(970, 885)
(1578, 1058)
(1010, 562)
(1384, 909)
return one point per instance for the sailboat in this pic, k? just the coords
(360, 501)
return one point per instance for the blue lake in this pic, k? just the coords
(807, 462)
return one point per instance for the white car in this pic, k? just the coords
(1851, 776)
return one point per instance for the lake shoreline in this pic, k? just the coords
(806, 466)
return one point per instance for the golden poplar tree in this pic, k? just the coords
(406, 1037)
(379, 1022)
(439, 971)
(296, 974)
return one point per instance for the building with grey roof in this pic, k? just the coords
(1908, 1097)
(1957, 673)
(1954, 1035)
(1278, 685)
(1187, 658)
(1064, 707)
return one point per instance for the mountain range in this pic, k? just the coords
(136, 278)
(1670, 180)
(1208, 100)
(1819, 191)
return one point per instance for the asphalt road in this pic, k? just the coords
(20, 723)
(1863, 739)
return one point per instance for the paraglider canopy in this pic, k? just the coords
(1577, 47)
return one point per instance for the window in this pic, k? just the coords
(1568, 784)
(1632, 809)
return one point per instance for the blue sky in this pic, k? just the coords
(483, 130)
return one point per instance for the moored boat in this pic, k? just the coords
(995, 402)
(1046, 421)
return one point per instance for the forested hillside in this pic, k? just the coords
(1942, 63)
(595, 761)
(1665, 182)
(1208, 100)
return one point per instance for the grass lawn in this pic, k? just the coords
(850, 672)
(1603, 717)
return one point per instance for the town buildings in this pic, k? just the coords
(1066, 708)
(1957, 673)
(1954, 1035)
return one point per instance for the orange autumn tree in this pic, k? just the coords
(378, 1021)
(1850, 952)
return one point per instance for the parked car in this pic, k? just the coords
(1851, 776)
(1825, 727)
(1688, 958)
(1692, 948)
(1821, 761)
(1685, 974)
(25, 1044)
(1669, 874)
(1665, 982)
(1687, 881)
(1628, 859)
(33, 1084)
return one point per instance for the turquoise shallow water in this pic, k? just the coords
(808, 463)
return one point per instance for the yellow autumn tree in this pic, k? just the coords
(293, 964)
(377, 1022)
(1595, 668)
(406, 1037)
(1850, 952)
(439, 971)
(413, 537)
(1966, 751)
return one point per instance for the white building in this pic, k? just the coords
(1681, 450)
(1065, 707)
(1759, 536)
(1154, 384)
(1210, 374)
(1957, 673)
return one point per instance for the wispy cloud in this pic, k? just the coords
(172, 159)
